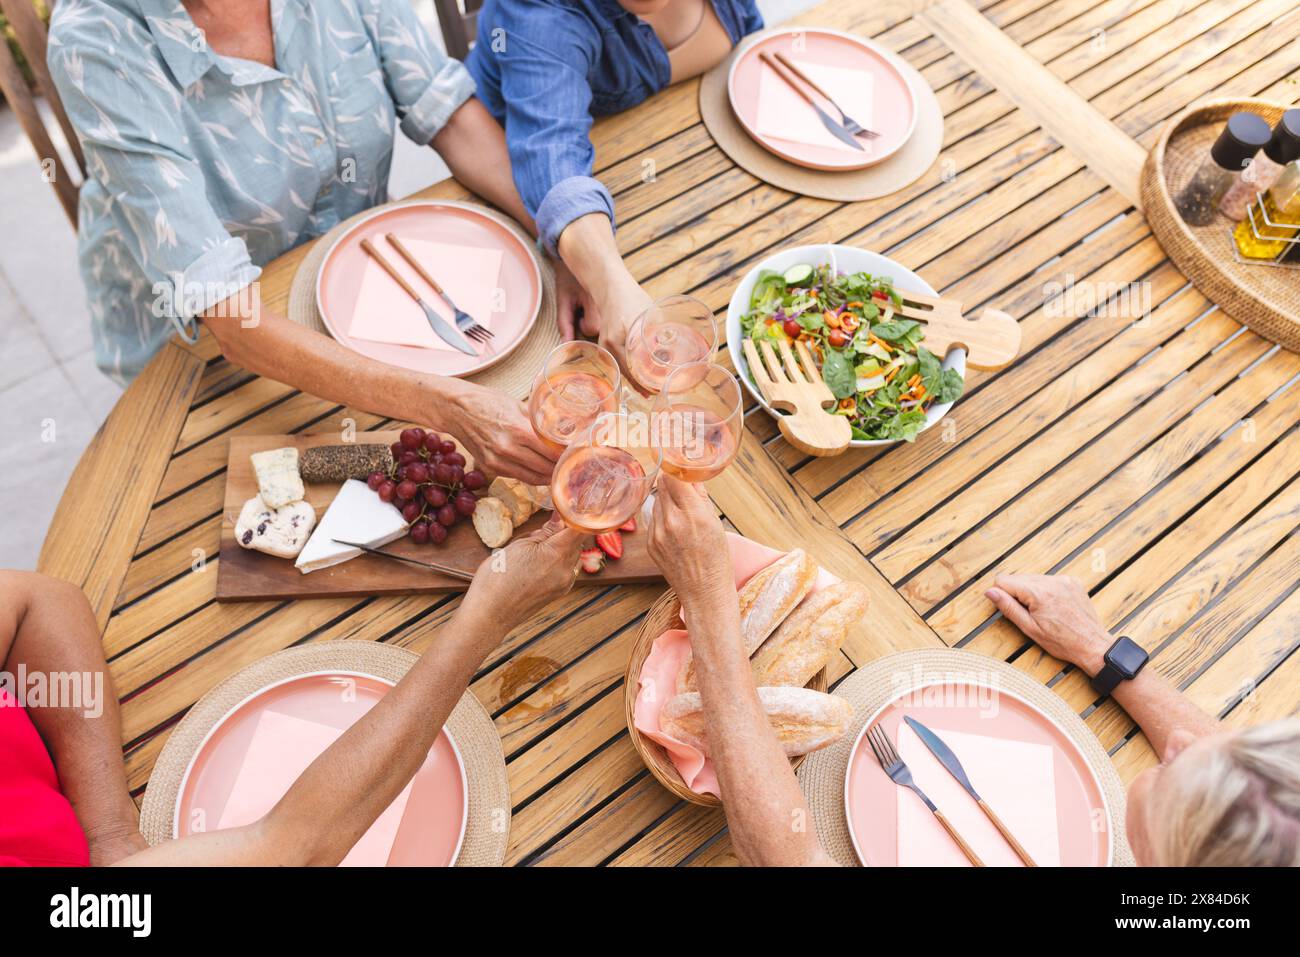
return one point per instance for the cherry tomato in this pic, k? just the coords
(837, 338)
(881, 295)
(792, 328)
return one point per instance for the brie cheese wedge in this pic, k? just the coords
(278, 480)
(355, 515)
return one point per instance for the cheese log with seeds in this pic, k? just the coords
(766, 599)
(278, 481)
(338, 463)
(492, 521)
(804, 720)
(809, 638)
(516, 497)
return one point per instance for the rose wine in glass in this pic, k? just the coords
(698, 418)
(672, 332)
(603, 479)
(578, 382)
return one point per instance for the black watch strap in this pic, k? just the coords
(1122, 662)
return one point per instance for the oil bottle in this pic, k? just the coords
(1254, 237)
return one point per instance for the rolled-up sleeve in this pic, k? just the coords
(136, 150)
(425, 84)
(548, 120)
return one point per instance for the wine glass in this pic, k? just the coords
(577, 382)
(603, 479)
(698, 418)
(669, 333)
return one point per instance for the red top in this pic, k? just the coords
(37, 825)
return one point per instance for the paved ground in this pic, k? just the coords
(52, 397)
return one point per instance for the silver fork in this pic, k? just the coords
(848, 122)
(901, 775)
(464, 321)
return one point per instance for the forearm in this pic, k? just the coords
(587, 247)
(343, 791)
(55, 635)
(271, 345)
(766, 811)
(1151, 700)
(473, 145)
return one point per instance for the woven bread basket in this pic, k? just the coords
(664, 615)
(1264, 298)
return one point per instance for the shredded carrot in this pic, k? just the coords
(889, 376)
(880, 342)
(855, 304)
(831, 319)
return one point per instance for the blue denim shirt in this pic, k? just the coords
(203, 168)
(544, 68)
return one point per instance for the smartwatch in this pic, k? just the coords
(1123, 661)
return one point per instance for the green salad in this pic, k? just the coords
(872, 359)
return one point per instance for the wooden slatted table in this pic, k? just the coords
(1144, 441)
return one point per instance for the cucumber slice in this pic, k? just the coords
(798, 274)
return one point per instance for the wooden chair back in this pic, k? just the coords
(31, 36)
(459, 22)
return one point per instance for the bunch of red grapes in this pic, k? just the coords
(428, 484)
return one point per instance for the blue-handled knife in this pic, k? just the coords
(953, 766)
(441, 327)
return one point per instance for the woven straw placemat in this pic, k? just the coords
(905, 166)
(875, 685)
(487, 829)
(1264, 297)
(514, 374)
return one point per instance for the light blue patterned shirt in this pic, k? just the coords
(203, 168)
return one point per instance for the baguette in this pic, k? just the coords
(766, 599)
(804, 720)
(810, 636)
(492, 522)
(515, 494)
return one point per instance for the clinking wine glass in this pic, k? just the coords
(603, 479)
(671, 332)
(577, 382)
(698, 418)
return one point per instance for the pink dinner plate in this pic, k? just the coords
(963, 714)
(883, 102)
(432, 822)
(512, 306)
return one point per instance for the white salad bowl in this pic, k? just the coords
(847, 259)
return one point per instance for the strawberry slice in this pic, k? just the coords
(592, 560)
(611, 543)
(628, 526)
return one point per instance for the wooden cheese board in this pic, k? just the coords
(246, 575)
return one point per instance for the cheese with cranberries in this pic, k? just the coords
(281, 532)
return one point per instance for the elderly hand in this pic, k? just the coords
(576, 310)
(521, 579)
(1056, 612)
(688, 543)
(497, 431)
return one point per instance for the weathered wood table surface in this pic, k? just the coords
(1147, 446)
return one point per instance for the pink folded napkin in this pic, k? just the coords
(385, 313)
(282, 747)
(1017, 779)
(783, 113)
(657, 682)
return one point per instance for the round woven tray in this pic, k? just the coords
(1265, 298)
(663, 615)
(514, 374)
(487, 829)
(873, 686)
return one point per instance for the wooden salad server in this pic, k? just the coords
(797, 389)
(992, 341)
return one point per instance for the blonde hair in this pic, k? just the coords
(1235, 803)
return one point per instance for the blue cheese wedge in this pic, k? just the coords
(276, 531)
(355, 515)
(278, 481)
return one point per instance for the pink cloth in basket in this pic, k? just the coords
(657, 682)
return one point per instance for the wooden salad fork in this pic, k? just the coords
(798, 391)
(464, 321)
(901, 775)
(992, 341)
